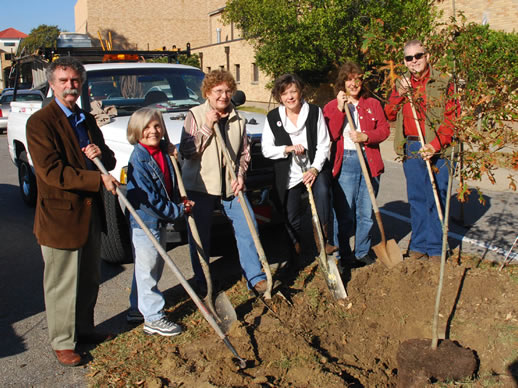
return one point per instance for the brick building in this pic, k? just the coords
(499, 14)
(154, 24)
(10, 39)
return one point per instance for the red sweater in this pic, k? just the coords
(444, 132)
(372, 122)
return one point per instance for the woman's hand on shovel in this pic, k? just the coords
(310, 176)
(238, 185)
(187, 205)
(171, 150)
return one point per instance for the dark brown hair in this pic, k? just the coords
(348, 69)
(283, 82)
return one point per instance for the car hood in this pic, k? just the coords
(115, 130)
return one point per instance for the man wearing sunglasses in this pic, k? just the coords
(431, 94)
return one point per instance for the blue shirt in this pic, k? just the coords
(77, 121)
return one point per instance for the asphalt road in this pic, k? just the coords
(25, 355)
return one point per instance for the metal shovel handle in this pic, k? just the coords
(203, 309)
(248, 216)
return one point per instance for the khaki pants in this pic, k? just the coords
(71, 284)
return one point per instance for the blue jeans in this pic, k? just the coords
(426, 226)
(148, 269)
(202, 213)
(352, 207)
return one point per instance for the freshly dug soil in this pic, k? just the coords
(418, 363)
(311, 340)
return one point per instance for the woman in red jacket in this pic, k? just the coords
(351, 201)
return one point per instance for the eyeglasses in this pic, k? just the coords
(219, 92)
(417, 56)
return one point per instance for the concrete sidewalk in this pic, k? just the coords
(501, 174)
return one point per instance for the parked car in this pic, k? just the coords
(5, 91)
(7, 98)
(171, 88)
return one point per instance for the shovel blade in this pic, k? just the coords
(332, 276)
(388, 253)
(225, 311)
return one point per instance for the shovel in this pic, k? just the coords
(203, 309)
(221, 308)
(428, 164)
(387, 251)
(327, 263)
(251, 226)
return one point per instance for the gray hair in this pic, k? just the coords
(139, 120)
(414, 42)
(66, 62)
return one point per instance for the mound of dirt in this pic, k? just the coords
(307, 339)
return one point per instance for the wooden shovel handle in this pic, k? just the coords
(248, 217)
(428, 164)
(204, 259)
(203, 309)
(367, 177)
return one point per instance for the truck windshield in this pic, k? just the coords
(169, 90)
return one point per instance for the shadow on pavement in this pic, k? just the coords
(21, 278)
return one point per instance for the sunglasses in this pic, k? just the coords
(417, 56)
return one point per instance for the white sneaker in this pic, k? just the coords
(162, 326)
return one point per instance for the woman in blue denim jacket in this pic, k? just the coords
(151, 191)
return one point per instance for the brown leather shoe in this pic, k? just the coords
(94, 338)
(67, 357)
(416, 255)
(330, 249)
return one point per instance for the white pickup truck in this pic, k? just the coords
(173, 89)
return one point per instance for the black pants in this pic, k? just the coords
(296, 203)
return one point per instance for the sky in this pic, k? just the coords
(24, 15)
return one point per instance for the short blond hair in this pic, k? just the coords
(139, 120)
(215, 78)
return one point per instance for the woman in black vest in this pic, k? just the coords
(296, 127)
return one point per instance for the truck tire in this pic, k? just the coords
(26, 180)
(116, 242)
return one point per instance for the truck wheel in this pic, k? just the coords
(26, 180)
(116, 242)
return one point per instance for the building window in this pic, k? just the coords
(238, 73)
(9, 44)
(8, 57)
(222, 67)
(208, 69)
(255, 73)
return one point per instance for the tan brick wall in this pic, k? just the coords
(499, 14)
(242, 54)
(145, 24)
(153, 24)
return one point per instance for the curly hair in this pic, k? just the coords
(64, 63)
(346, 71)
(217, 77)
(283, 82)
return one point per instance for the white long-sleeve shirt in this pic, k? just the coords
(297, 135)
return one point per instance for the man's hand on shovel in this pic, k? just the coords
(92, 152)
